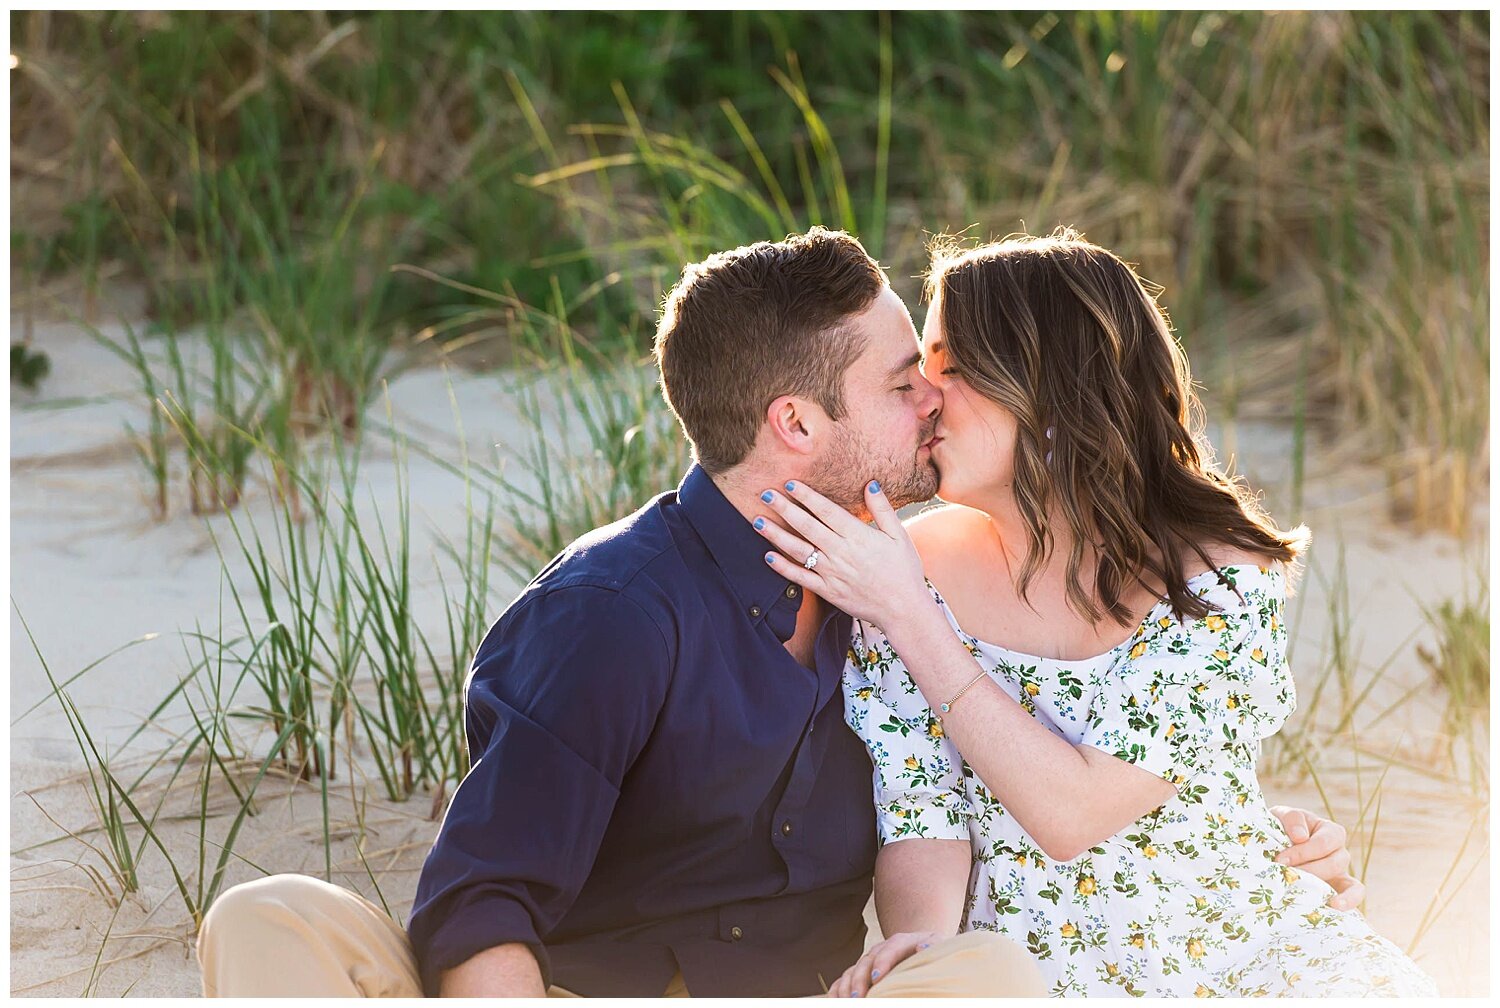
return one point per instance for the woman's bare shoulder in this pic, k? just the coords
(944, 536)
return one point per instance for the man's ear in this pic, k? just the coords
(794, 422)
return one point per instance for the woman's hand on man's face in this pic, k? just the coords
(872, 572)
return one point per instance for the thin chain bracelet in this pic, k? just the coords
(945, 708)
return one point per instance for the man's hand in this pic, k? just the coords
(880, 960)
(1319, 848)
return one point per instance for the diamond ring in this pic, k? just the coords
(811, 561)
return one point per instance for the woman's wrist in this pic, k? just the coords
(911, 615)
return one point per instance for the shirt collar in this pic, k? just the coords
(736, 547)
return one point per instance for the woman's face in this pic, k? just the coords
(975, 452)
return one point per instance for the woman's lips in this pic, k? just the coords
(929, 445)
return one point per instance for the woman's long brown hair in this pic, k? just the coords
(1064, 334)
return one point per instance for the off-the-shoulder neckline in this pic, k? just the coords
(1134, 634)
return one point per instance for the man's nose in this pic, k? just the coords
(933, 402)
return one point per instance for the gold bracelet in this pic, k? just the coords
(945, 708)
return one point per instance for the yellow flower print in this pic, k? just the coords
(852, 655)
(1112, 969)
(1021, 860)
(1258, 656)
(1195, 948)
(1215, 623)
(935, 728)
(1138, 940)
(1244, 837)
(1164, 622)
(1288, 875)
(1221, 654)
(1294, 949)
(1138, 650)
(1086, 885)
(1171, 730)
(1068, 930)
(1200, 687)
(865, 692)
(1200, 902)
(1203, 991)
(1032, 689)
(871, 657)
(902, 813)
(911, 763)
(1232, 702)
(1239, 799)
(1149, 851)
(1275, 624)
(1038, 860)
(1314, 917)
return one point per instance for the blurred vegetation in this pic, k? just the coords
(1311, 188)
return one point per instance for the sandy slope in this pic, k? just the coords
(91, 571)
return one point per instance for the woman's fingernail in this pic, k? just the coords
(874, 486)
(790, 486)
(767, 496)
(874, 974)
(760, 523)
(924, 946)
(855, 994)
(770, 558)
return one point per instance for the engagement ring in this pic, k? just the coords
(811, 561)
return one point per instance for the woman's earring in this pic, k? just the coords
(1050, 431)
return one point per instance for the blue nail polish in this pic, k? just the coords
(760, 523)
(790, 486)
(874, 486)
(924, 946)
(874, 974)
(855, 994)
(767, 496)
(770, 558)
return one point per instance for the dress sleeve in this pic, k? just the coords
(918, 785)
(1185, 690)
(555, 715)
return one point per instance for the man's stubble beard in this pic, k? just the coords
(850, 463)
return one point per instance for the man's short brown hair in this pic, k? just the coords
(746, 326)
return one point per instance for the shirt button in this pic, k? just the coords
(786, 828)
(735, 934)
(755, 612)
(791, 591)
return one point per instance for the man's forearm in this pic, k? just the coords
(503, 971)
(921, 885)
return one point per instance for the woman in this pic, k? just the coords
(1125, 605)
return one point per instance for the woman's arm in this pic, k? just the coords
(1067, 797)
(921, 885)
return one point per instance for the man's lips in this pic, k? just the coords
(932, 443)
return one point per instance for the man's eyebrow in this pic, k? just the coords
(905, 365)
(936, 347)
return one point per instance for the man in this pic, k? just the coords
(664, 797)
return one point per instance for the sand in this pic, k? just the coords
(91, 570)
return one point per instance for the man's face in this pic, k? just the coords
(892, 413)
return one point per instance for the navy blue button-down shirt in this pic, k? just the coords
(657, 784)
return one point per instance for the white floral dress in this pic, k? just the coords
(1186, 900)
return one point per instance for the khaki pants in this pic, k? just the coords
(296, 936)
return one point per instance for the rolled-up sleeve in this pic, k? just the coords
(918, 786)
(562, 697)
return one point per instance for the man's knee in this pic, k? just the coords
(1010, 963)
(263, 906)
(999, 965)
